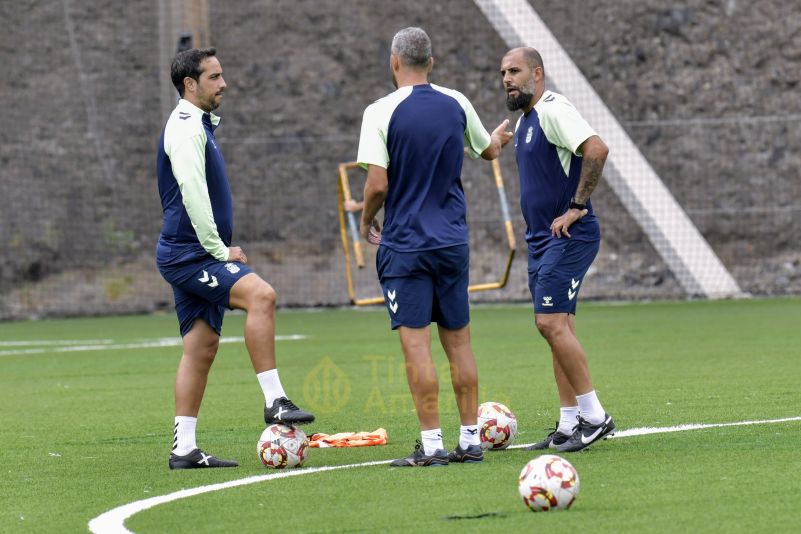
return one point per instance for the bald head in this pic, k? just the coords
(523, 78)
(530, 55)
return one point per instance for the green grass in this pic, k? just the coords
(86, 431)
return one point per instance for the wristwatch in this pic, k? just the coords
(576, 205)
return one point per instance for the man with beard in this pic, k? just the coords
(559, 159)
(194, 254)
(412, 145)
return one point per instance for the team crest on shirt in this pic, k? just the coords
(529, 134)
(233, 268)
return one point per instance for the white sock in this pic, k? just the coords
(568, 418)
(590, 407)
(184, 437)
(468, 435)
(271, 386)
(432, 440)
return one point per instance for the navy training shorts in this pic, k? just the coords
(555, 275)
(202, 289)
(427, 286)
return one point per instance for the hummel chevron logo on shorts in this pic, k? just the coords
(205, 279)
(393, 305)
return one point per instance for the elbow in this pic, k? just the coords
(381, 190)
(597, 150)
(376, 191)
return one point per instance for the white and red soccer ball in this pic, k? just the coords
(547, 483)
(282, 446)
(497, 426)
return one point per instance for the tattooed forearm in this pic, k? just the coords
(590, 175)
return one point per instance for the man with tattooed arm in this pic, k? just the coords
(559, 160)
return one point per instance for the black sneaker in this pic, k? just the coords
(472, 454)
(198, 459)
(551, 441)
(419, 458)
(586, 434)
(285, 411)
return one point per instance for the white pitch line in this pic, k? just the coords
(50, 342)
(145, 344)
(642, 431)
(681, 428)
(113, 521)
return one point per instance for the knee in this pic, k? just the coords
(206, 352)
(548, 325)
(263, 299)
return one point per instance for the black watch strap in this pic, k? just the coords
(576, 205)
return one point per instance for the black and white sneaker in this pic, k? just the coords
(586, 434)
(285, 411)
(551, 441)
(198, 459)
(472, 454)
(420, 459)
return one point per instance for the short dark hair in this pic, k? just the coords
(187, 63)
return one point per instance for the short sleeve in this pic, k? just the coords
(373, 140)
(563, 125)
(476, 137)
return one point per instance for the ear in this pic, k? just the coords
(538, 74)
(430, 64)
(190, 84)
(394, 62)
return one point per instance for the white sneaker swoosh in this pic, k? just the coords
(592, 437)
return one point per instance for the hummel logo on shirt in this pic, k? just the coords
(183, 115)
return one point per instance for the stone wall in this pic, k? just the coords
(708, 91)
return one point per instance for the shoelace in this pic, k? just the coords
(286, 403)
(555, 429)
(418, 449)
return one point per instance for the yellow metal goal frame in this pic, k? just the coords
(349, 225)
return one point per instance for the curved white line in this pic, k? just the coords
(113, 521)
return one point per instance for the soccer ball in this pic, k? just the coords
(497, 426)
(282, 446)
(547, 483)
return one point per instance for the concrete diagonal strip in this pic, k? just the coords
(672, 233)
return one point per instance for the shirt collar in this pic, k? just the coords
(189, 107)
(544, 94)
